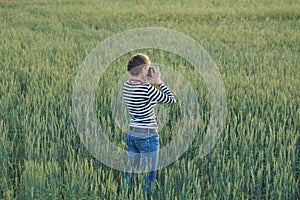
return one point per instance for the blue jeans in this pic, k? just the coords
(143, 151)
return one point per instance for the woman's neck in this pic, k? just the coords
(137, 79)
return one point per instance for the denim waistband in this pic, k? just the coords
(141, 135)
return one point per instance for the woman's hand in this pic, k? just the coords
(156, 76)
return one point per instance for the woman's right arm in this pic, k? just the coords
(163, 95)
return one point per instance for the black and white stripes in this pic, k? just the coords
(141, 99)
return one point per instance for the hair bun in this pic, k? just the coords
(130, 65)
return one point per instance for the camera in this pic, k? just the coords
(151, 70)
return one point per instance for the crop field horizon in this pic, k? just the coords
(255, 46)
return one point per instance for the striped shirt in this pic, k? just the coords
(141, 99)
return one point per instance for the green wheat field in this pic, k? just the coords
(255, 45)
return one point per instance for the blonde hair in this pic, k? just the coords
(136, 63)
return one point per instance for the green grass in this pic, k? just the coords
(255, 46)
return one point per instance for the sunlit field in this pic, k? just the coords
(255, 46)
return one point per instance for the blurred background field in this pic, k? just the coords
(255, 45)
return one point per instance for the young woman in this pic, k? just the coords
(142, 140)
